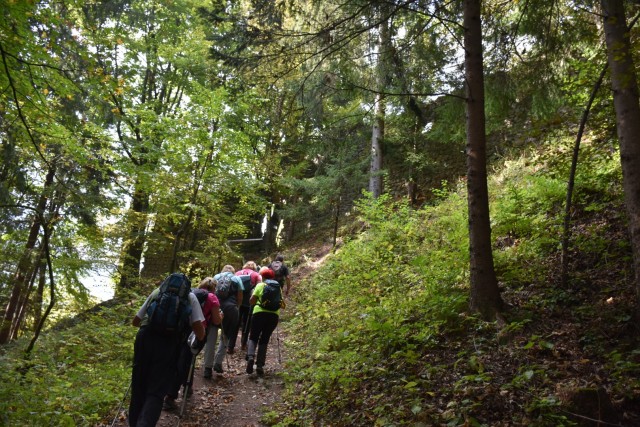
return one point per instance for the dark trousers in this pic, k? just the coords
(229, 325)
(182, 371)
(245, 319)
(154, 367)
(262, 326)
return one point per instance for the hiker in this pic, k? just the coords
(250, 278)
(229, 291)
(209, 284)
(266, 301)
(281, 272)
(157, 345)
(212, 320)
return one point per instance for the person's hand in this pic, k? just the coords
(195, 344)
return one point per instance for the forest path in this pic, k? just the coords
(235, 398)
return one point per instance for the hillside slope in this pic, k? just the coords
(382, 334)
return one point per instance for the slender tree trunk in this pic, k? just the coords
(39, 297)
(377, 133)
(336, 220)
(566, 235)
(23, 306)
(627, 105)
(21, 275)
(485, 295)
(52, 289)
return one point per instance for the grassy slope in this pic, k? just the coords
(382, 336)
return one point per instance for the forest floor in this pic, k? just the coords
(235, 398)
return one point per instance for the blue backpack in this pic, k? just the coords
(169, 311)
(246, 294)
(271, 295)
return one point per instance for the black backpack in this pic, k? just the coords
(271, 295)
(246, 284)
(202, 295)
(223, 288)
(169, 311)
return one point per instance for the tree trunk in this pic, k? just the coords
(23, 305)
(566, 233)
(336, 220)
(627, 107)
(39, 297)
(134, 242)
(21, 275)
(377, 133)
(375, 170)
(485, 295)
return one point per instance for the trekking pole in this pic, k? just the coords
(247, 327)
(187, 387)
(126, 393)
(278, 341)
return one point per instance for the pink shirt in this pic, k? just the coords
(211, 303)
(255, 277)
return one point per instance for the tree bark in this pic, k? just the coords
(627, 106)
(377, 134)
(485, 295)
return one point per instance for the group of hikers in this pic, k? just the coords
(176, 322)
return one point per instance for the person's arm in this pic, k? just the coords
(197, 318)
(216, 315)
(137, 319)
(254, 296)
(198, 329)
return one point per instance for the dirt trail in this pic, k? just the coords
(234, 398)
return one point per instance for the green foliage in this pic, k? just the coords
(371, 323)
(378, 303)
(75, 376)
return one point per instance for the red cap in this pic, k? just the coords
(267, 273)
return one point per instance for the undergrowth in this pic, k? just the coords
(74, 376)
(382, 336)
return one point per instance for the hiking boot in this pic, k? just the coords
(169, 404)
(207, 373)
(243, 347)
(250, 365)
(218, 368)
(231, 351)
(260, 371)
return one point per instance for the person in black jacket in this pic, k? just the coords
(281, 272)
